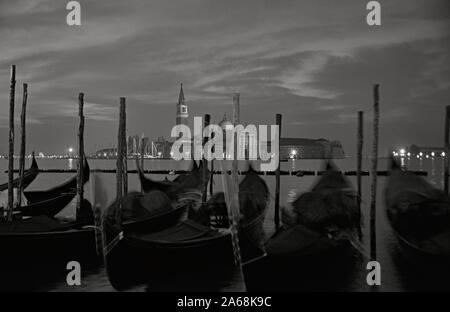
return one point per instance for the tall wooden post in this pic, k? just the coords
(277, 177)
(373, 173)
(142, 151)
(205, 164)
(236, 120)
(447, 148)
(80, 163)
(119, 164)
(234, 205)
(359, 149)
(211, 178)
(22, 144)
(12, 94)
(124, 146)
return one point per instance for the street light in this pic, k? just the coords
(293, 153)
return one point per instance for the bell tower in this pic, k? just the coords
(182, 111)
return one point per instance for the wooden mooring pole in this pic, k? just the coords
(206, 123)
(277, 176)
(142, 151)
(124, 147)
(376, 118)
(447, 148)
(80, 163)
(234, 187)
(211, 178)
(119, 163)
(359, 149)
(22, 144)
(12, 93)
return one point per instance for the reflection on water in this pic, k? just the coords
(403, 162)
(72, 164)
(395, 275)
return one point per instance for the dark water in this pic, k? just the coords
(395, 277)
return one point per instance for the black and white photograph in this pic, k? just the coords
(239, 149)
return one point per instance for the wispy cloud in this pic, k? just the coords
(310, 60)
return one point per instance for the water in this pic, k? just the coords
(393, 277)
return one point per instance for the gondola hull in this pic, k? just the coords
(322, 264)
(431, 270)
(57, 191)
(29, 258)
(28, 177)
(171, 266)
(49, 207)
(419, 215)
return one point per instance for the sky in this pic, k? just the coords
(314, 62)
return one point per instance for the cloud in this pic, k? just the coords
(312, 61)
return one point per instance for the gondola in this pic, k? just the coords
(40, 247)
(180, 253)
(188, 255)
(65, 188)
(137, 254)
(192, 180)
(253, 203)
(28, 177)
(49, 207)
(419, 215)
(313, 250)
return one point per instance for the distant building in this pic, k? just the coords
(182, 109)
(289, 147)
(415, 150)
(163, 148)
(245, 139)
(133, 145)
(106, 153)
(296, 148)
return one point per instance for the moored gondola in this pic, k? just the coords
(419, 215)
(182, 250)
(131, 249)
(66, 187)
(40, 248)
(253, 203)
(28, 176)
(49, 207)
(190, 181)
(313, 250)
(188, 255)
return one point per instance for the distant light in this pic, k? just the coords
(443, 154)
(420, 154)
(409, 154)
(402, 151)
(432, 154)
(426, 156)
(70, 149)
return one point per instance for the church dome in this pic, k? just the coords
(225, 123)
